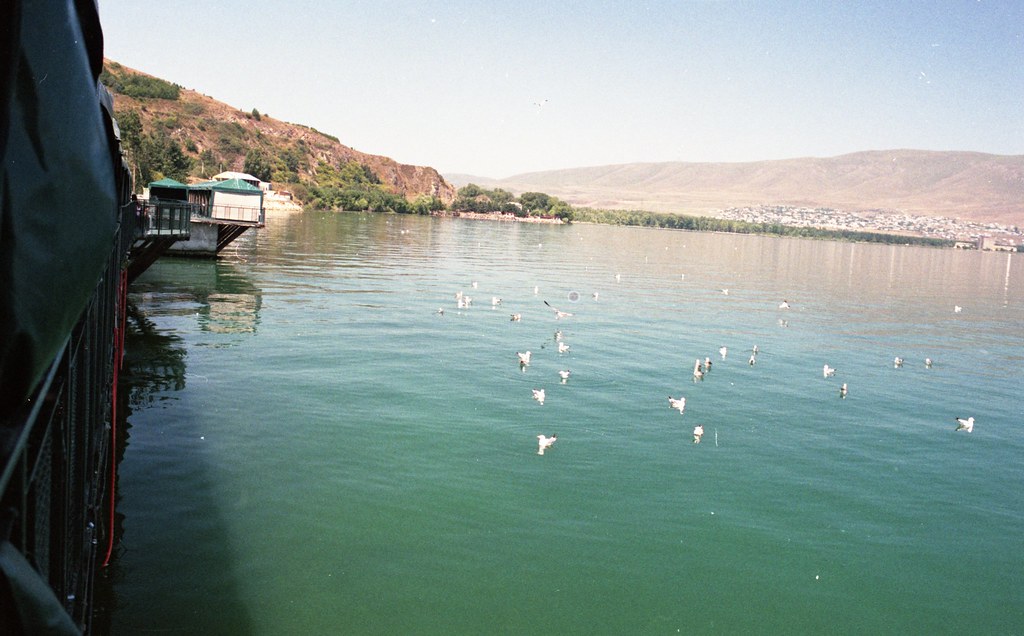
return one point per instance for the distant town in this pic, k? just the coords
(966, 234)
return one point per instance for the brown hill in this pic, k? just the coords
(216, 137)
(965, 185)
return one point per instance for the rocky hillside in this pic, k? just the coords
(191, 137)
(965, 185)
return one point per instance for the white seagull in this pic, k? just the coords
(957, 309)
(842, 391)
(516, 317)
(524, 358)
(753, 359)
(897, 362)
(538, 394)
(965, 424)
(827, 371)
(928, 363)
(558, 312)
(784, 304)
(495, 301)
(563, 348)
(564, 374)
(723, 351)
(698, 431)
(698, 373)
(545, 442)
(678, 404)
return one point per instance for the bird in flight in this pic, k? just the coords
(558, 312)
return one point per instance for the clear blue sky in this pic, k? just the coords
(453, 84)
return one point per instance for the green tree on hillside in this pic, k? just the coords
(257, 164)
(151, 156)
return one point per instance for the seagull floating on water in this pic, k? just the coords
(897, 362)
(538, 394)
(545, 442)
(753, 359)
(678, 404)
(524, 358)
(957, 309)
(842, 391)
(516, 317)
(563, 348)
(784, 304)
(928, 363)
(495, 301)
(722, 351)
(827, 371)
(965, 424)
(698, 373)
(725, 292)
(558, 312)
(564, 374)
(698, 432)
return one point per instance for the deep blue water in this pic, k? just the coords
(314, 449)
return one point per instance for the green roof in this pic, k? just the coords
(168, 183)
(236, 185)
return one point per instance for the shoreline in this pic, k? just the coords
(498, 216)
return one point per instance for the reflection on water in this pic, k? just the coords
(154, 361)
(216, 297)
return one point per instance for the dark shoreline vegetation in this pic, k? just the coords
(711, 224)
(473, 198)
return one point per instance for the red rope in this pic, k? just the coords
(119, 334)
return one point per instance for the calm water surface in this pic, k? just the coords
(313, 449)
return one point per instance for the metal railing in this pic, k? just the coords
(245, 214)
(55, 482)
(160, 217)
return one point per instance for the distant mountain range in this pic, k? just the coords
(964, 185)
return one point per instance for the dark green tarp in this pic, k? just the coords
(58, 198)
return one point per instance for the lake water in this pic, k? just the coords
(313, 449)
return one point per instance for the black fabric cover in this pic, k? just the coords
(27, 603)
(58, 200)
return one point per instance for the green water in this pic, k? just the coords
(313, 449)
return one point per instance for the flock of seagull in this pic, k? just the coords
(700, 367)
